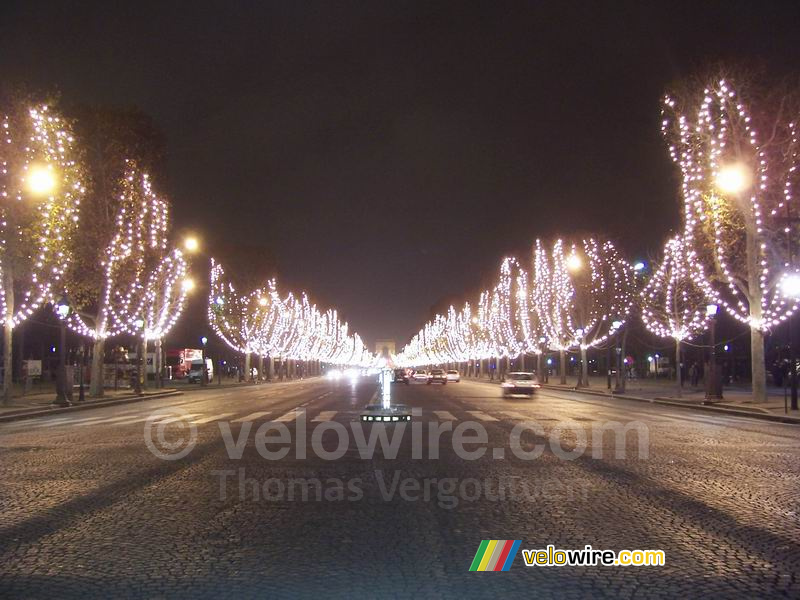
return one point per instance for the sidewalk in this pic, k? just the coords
(736, 399)
(41, 403)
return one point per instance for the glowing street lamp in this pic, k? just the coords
(204, 380)
(714, 383)
(790, 286)
(733, 178)
(41, 180)
(191, 244)
(574, 263)
(188, 284)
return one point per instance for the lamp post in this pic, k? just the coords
(790, 287)
(140, 357)
(204, 380)
(62, 392)
(713, 381)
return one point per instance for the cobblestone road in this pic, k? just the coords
(88, 510)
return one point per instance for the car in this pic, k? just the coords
(400, 376)
(419, 376)
(437, 376)
(453, 375)
(519, 383)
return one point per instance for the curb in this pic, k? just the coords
(702, 407)
(85, 406)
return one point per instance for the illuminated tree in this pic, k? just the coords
(737, 153)
(41, 184)
(264, 323)
(674, 302)
(585, 295)
(135, 266)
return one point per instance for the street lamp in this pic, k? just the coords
(714, 380)
(733, 178)
(204, 380)
(40, 180)
(191, 244)
(63, 390)
(574, 263)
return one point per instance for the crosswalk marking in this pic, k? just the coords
(142, 419)
(250, 417)
(71, 422)
(178, 418)
(444, 415)
(205, 420)
(290, 416)
(325, 415)
(516, 415)
(481, 416)
(104, 421)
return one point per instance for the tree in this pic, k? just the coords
(115, 141)
(736, 147)
(41, 186)
(132, 257)
(674, 302)
(585, 295)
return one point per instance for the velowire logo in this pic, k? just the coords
(495, 555)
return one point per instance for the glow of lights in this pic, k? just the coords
(732, 179)
(790, 286)
(188, 284)
(38, 159)
(711, 310)
(638, 266)
(574, 262)
(736, 191)
(191, 244)
(40, 180)
(288, 327)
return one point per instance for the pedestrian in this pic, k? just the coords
(693, 374)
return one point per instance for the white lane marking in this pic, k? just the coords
(444, 415)
(516, 415)
(104, 421)
(141, 419)
(325, 415)
(73, 422)
(288, 417)
(178, 418)
(250, 417)
(481, 416)
(205, 420)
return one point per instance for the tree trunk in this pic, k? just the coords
(96, 383)
(8, 334)
(247, 366)
(157, 360)
(678, 375)
(759, 371)
(584, 368)
(562, 367)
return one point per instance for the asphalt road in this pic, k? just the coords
(88, 510)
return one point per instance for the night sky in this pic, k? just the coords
(386, 155)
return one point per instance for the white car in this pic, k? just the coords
(519, 383)
(453, 375)
(419, 376)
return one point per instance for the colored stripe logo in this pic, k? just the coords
(495, 555)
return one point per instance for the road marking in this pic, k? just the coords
(516, 415)
(288, 417)
(250, 417)
(104, 421)
(444, 415)
(205, 420)
(325, 415)
(178, 418)
(481, 416)
(71, 422)
(141, 419)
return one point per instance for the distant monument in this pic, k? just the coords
(385, 349)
